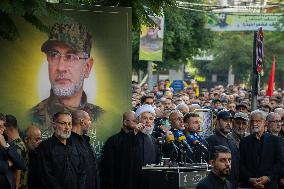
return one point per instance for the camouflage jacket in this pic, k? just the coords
(23, 152)
(41, 115)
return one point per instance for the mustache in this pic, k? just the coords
(62, 76)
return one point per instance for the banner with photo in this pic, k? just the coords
(151, 40)
(242, 22)
(77, 64)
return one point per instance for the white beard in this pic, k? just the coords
(68, 90)
(254, 129)
(62, 134)
(148, 130)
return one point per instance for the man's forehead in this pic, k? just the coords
(224, 155)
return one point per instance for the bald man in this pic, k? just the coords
(119, 167)
(32, 137)
(32, 140)
(81, 124)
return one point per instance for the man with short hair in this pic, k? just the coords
(60, 164)
(32, 140)
(167, 104)
(81, 124)
(279, 111)
(221, 167)
(273, 123)
(240, 125)
(183, 108)
(14, 139)
(217, 104)
(146, 99)
(242, 107)
(260, 155)
(9, 159)
(221, 137)
(198, 144)
(67, 51)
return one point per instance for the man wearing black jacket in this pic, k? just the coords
(261, 155)
(61, 165)
(221, 137)
(9, 160)
(221, 166)
(126, 152)
(120, 164)
(81, 123)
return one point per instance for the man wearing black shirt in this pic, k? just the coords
(119, 165)
(221, 137)
(81, 123)
(61, 165)
(221, 166)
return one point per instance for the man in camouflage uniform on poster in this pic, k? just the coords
(69, 64)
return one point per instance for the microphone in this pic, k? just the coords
(160, 140)
(182, 139)
(170, 140)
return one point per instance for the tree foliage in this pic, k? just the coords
(184, 37)
(236, 49)
(33, 10)
(233, 49)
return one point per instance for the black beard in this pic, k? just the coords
(223, 173)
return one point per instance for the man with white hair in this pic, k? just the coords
(183, 108)
(260, 155)
(274, 123)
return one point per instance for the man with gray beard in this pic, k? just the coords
(69, 63)
(60, 164)
(260, 155)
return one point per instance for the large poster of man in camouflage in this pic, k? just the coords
(76, 64)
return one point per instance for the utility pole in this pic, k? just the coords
(255, 76)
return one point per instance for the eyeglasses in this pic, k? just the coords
(55, 56)
(64, 123)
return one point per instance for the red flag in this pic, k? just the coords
(269, 91)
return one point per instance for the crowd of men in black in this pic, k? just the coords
(245, 150)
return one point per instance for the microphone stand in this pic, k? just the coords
(160, 143)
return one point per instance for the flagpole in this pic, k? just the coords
(255, 76)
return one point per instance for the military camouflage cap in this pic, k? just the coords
(74, 35)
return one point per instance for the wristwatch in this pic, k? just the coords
(7, 146)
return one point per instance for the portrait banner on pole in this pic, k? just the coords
(151, 40)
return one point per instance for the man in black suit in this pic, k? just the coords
(221, 167)
(260, 155)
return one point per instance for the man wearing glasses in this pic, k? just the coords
(274, 123)
(60, 164)
(69, 64)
